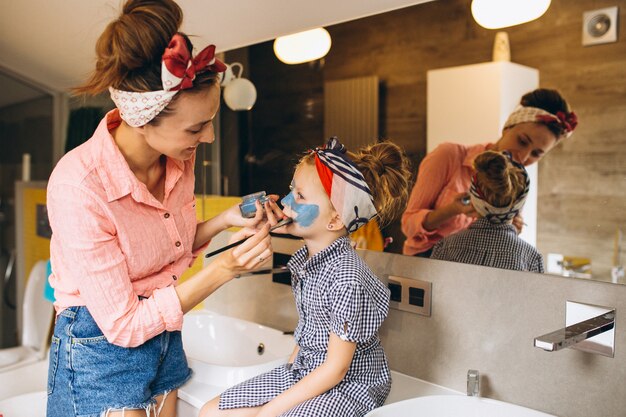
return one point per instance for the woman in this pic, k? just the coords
(498, 192)
(122, 212)
(438, 205)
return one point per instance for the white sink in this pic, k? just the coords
(454, 406)
(223, 351)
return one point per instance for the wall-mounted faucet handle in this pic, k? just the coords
(473, 383)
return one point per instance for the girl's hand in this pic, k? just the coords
(275, 214)
(232, 217)
(250, 254)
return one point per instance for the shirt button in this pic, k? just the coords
(166, 215)
(178, 244)
(174, 277)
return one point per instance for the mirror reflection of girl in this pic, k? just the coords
(338, 367)
(436, 210)
(123, 216)
(498, 190)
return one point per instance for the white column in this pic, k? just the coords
(469, 105)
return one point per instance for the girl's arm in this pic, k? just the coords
(293, 354)
(320, 380)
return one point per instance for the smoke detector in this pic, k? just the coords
(600, 26)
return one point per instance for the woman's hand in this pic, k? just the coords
(244, 257)
(250, 254)
(439, 216)
(458, 206)
(232, 217)
(275, 214)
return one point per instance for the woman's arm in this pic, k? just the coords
(320, 380)
(421, 218)
(432, 178)
(439, 216)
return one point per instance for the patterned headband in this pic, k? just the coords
(522, 114)
(178, 70)
(499, 215)
(345, 185)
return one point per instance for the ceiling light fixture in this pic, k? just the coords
(496, 14)
(303, 46)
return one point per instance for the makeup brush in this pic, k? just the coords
(281, 223)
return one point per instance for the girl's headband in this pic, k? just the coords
(522, 114)
(345, 185)
(178, 70)
(499, 215)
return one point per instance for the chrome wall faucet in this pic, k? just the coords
(588, 328)
(473, 383)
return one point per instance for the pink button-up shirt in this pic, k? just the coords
(112, 241)
(443, 173)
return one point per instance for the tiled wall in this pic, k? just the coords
(482, 318)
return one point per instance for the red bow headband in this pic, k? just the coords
(567, 122)
(178, 70)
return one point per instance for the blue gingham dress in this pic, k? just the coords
(335, 291)
(489, 244)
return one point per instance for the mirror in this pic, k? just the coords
(582, 182)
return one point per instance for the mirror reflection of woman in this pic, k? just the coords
(498, 192)
(438, 208)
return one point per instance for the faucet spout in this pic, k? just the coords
(473, 383)
(575, 335)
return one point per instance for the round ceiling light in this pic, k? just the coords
(496, 14)
(303, 46)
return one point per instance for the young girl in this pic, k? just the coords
(498, 190)
(338, 367)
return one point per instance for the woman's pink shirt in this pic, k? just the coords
(113, 241)
(443, 173)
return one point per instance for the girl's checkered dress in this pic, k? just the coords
(489, 244)
(335, 292)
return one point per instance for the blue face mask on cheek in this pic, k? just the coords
(305, 213)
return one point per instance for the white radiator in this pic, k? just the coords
(351, 111)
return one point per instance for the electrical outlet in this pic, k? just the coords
(411, 295)
(396, 291)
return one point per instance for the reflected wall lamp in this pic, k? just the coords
(496, 14)
(239, 93)
(303, 46)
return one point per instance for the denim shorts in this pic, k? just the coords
(88, 375)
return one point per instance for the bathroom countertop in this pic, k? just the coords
(403, 387)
